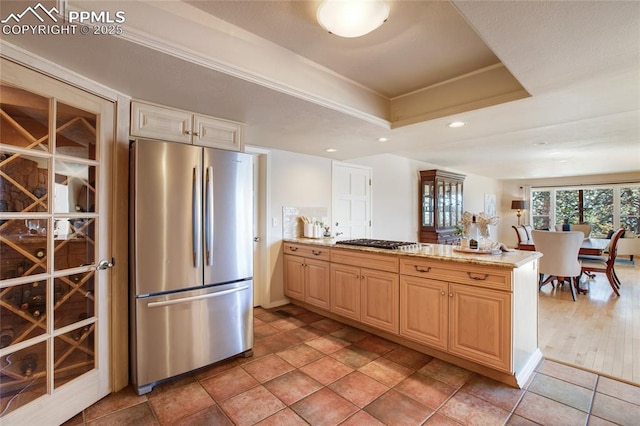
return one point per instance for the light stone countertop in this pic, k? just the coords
(513, 259)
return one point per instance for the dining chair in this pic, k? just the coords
(590, 265)
(559, 259)
(585, 228)
(523, 232)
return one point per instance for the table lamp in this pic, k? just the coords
(518, 205)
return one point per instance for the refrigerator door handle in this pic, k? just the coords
(209, 216)
(191, 299)
(196, 217)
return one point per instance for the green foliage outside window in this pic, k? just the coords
(595, 205)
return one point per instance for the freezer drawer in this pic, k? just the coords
(183, 331)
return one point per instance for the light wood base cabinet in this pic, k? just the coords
(317, 282)
(345, 291)
(466, 321)
(424, 305)
(307, 276)
(294, 276)
(480, 317)
(380, 300)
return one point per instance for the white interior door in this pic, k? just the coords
(260, 230)
(54, 231)
(351, 204)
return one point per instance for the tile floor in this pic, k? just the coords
(308, 369)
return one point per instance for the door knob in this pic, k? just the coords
(104, 264)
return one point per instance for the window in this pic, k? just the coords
(605, 207)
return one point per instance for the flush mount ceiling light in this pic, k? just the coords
(352, 18)
(456, 124)
(330, 150)
(383, 139)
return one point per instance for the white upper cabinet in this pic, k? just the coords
(169, 124)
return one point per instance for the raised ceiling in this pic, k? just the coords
(268, 64)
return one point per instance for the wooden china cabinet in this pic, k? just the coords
(440, 206)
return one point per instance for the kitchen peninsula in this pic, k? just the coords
(477, 311)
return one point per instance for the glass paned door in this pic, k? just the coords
(53, 231)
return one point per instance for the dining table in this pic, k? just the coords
(589, 247)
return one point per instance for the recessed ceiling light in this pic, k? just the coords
(331, 150)
(539, 143)
(383, 139)
(456, 124)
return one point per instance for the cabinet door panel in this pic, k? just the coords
(345, 291)
(294, 277)
(424, 311)
(157, 122)
(317, 283)
(380, 300)
(479, 322)
(217, 133)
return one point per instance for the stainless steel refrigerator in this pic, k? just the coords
(191, 258)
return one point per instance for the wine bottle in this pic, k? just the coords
(6, 337)
(28, 364)
(474, 234)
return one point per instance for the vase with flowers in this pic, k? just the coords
(476, 229)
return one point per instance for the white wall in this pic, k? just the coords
(395, 195)
(296, 180)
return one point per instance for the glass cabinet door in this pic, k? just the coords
(427, 204)
(48, 251)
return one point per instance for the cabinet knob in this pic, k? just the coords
(357, 276)
(443, 293)
(450, 294)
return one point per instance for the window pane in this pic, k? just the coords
(23, 376)
(74, 189)
(630, 208)
(74, 298)
(74, 354)
(25, 122)
(22, 312)
(598, 210)
(75, 132)
(567, 206)
(541, 209)
(23, 182)
(77, 248)
(23, 247)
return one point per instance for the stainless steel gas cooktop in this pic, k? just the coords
(383, 244)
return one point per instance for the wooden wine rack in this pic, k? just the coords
(21, 140)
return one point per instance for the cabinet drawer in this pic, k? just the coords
(313, 252)
(380, 262)
(475, 275)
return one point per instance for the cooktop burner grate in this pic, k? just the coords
(383, 244)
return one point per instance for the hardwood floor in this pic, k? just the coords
(598, 332)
